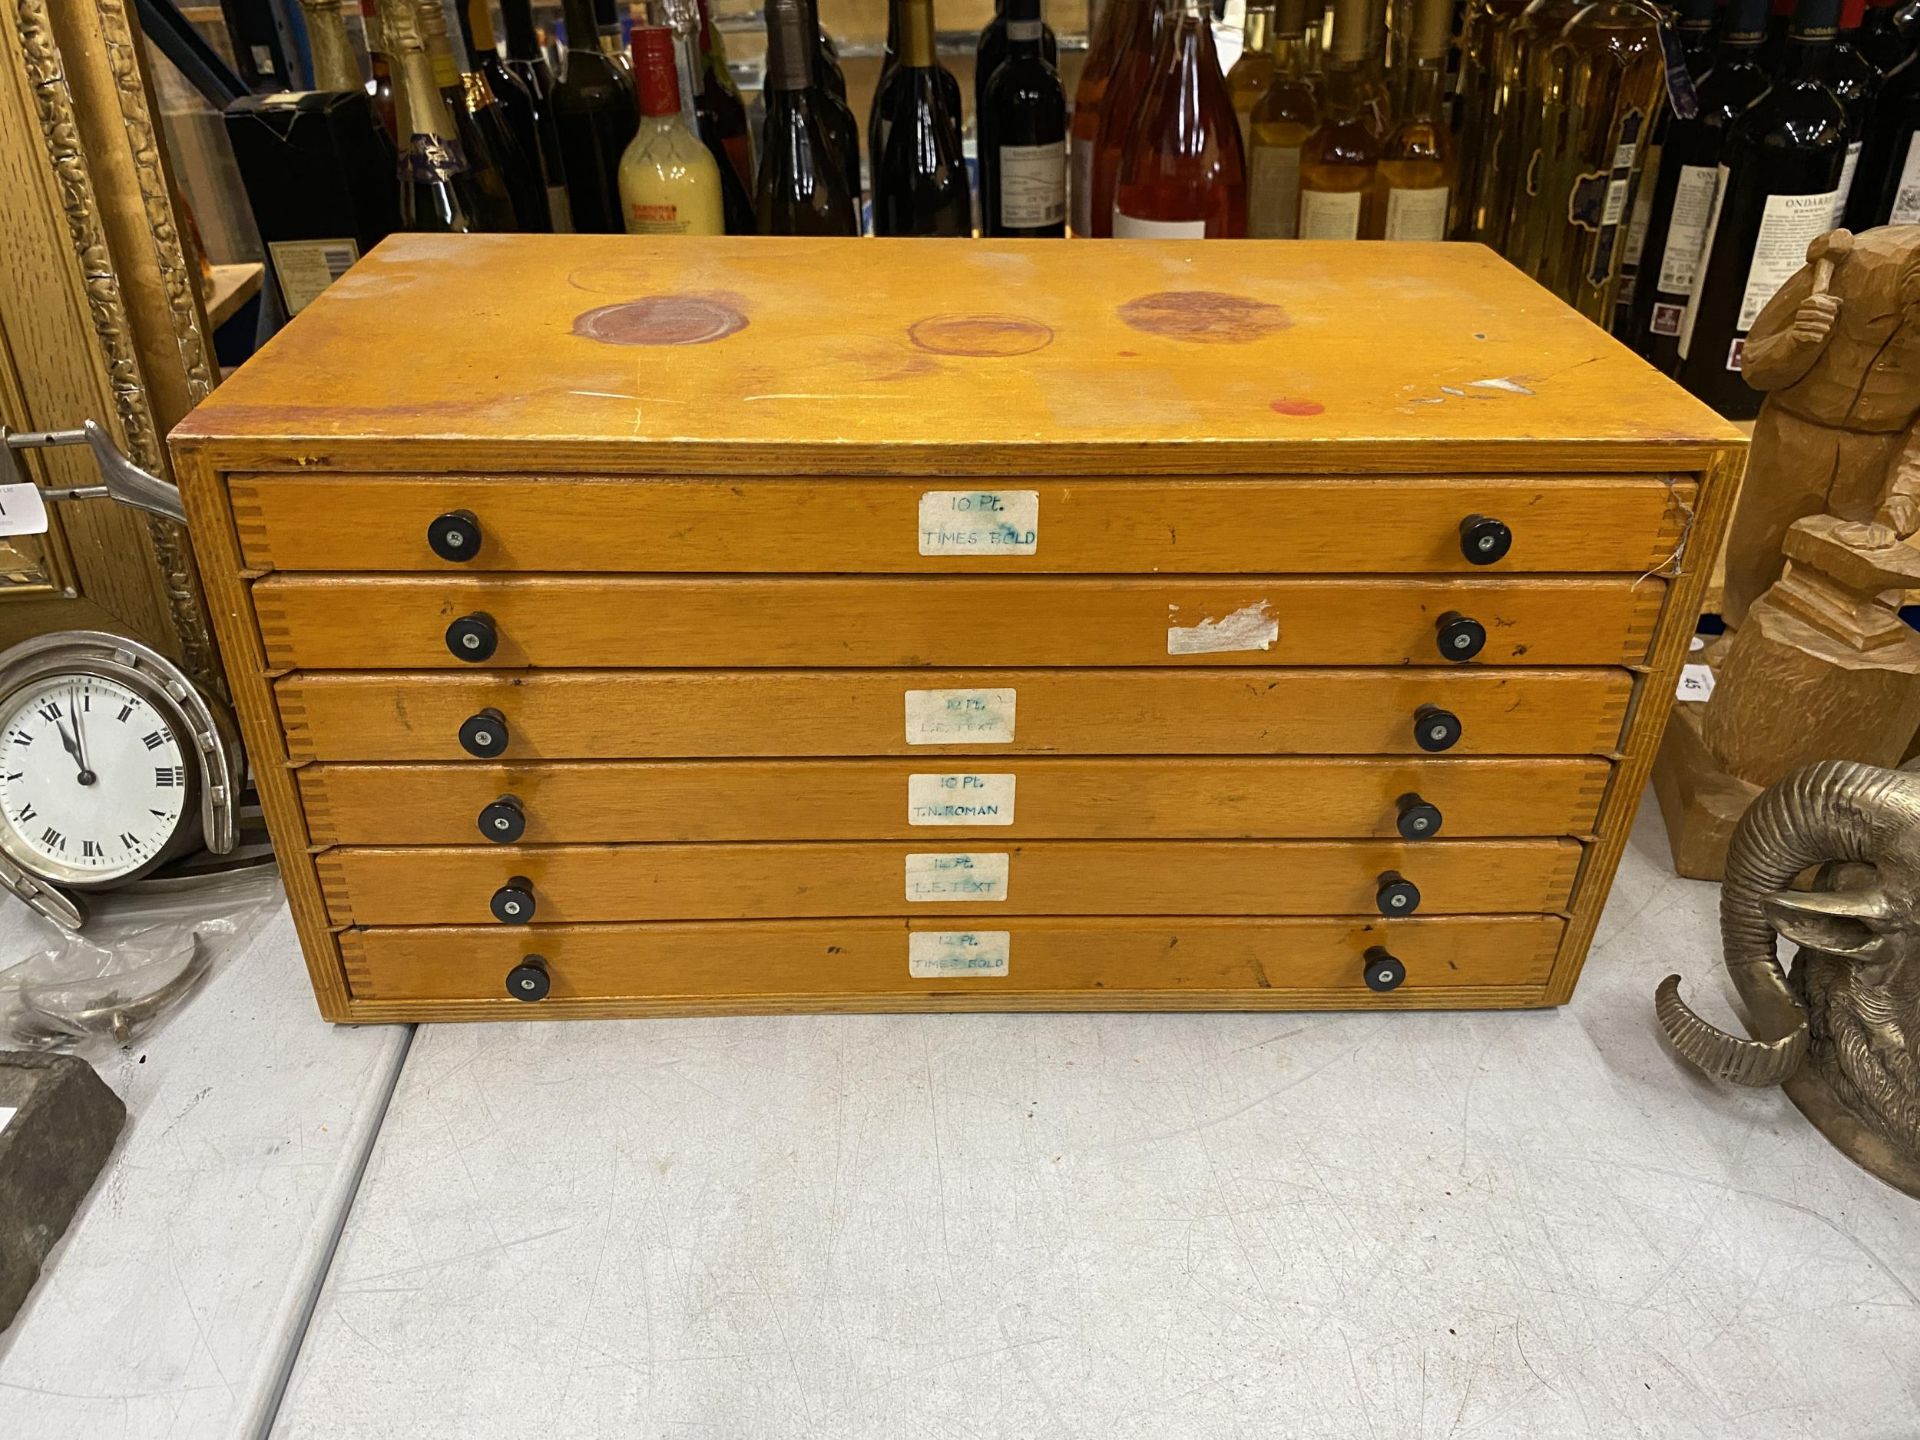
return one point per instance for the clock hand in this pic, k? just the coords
(79, 730)
(72, 747)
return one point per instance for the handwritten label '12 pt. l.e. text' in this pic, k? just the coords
(960, 799)
(960, 717)
(950, 876)
(979, 522)
(932, 954)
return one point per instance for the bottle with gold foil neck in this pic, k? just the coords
(1414, 177)
(1278, 128)
(436, 186)
(336, 66)
(492, 200)
(1252, 73)
(1337, 162)
(1489, 131)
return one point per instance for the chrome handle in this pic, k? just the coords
(122, 479)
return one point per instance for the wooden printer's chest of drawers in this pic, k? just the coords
(909, 625)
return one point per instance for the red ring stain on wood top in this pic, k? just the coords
(660, 320)
(1288, 406)
(1204, 317)
(986, 337)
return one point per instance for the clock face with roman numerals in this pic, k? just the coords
(93, 778)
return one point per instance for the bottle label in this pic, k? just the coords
(941, 954)
(1024, 29)
(1847, 167)
(961, 717)
(1906, 199)
(656, 220)
(1033, 185)
(1082, 190)
(1126, 227)
(558, 210)
(1687, 229)
(1788, 225)
(1417, 214)
(1273, 193)
(960, 799)
(1330, 214)
(1701, 265)
(980, 875)
(306, 267)
(1666, 318)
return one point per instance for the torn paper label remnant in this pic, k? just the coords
(1248, 628)
(932, 954)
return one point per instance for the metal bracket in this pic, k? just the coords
(123, 480)
(66, 911)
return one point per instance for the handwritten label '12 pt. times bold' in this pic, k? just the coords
(932, 954)
(979, 522)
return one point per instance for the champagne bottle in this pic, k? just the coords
(669, 180)
(1280, 125)
(920, 178)
(1253, 72)
(1023, 136)
(1120, 107)
(990, 53)
(335, 65)
(1613, 62)
(1775, 193)
(482, 133)
(596, 117)
(1855, 82)
(1337, 162)
(1684, 188)
(1489, 121)
(885, 99)
(1117, 18)
(520, 161)
(527, 63)
(436, 187)
(1414, 176)
(803, 184)
(1183, 173)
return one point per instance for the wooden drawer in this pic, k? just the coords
(1070, 964)
(1304, 524)
(874, 799)
(330, 623)
(453, 885)
(590, 715)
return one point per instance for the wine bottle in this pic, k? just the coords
(990, 53)
(1540, 117)
(379, 69)
(1183, 173)
(482, 132)
(1337, 162)
(519, 157)
(803, 184)
(1886, 186)
(1120, 107)
(608, 34)
(595, 114)
(830, 104)
(436, 188)
(827, 72)
(1880, 39)
(1253, 72)
(1319, 20)
(1377, 100)
(705, 118)
(722, 113)
(1489, 123)
(1777, 181)
(1023, 137)
(669, 180)
(1280, 125)
(1684, 188)
(527, 63)
(1414, 175)
(920, 177)
(335, 64)
(1613, 59)
(1089, 98)
(1855, 82)
(886, 102)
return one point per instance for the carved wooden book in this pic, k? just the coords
(649, 626)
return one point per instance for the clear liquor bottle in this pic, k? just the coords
(1540, 114)
(1279, 128)
(1489, 126)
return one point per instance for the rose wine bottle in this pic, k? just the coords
(1120, 108)
(1023, 136)
(1338, 160)
(669, 181)
(1280, 125)
(1183, 173)
(920, 178)
(803, 184)
(1096, 76)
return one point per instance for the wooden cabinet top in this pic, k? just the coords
(755, 355)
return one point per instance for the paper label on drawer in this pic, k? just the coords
(960, 799)
(934, 953)
(1696, 683)
(960, 717)
(974, 875)
(979, 522)
(22, 510)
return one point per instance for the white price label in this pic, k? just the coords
(1696, 683)
(22, 510)
(934, 954)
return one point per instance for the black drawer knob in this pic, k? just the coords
(455, 536)
(1435, 729)
(512, 903)
(1394, 894)
(1418, 819)
(1484, 539)
(472, 638)
(503, 822)
(529, 979)
(1384, 971)
(484, 734)
(1460, 637)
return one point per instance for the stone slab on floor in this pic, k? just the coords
(1524, 1224)
(173, 1306)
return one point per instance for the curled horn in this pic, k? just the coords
(1834, 810)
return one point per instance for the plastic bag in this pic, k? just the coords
(143, 951)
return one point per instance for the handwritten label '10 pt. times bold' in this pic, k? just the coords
(979, 522)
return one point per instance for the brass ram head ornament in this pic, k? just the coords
(1842, 1031)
